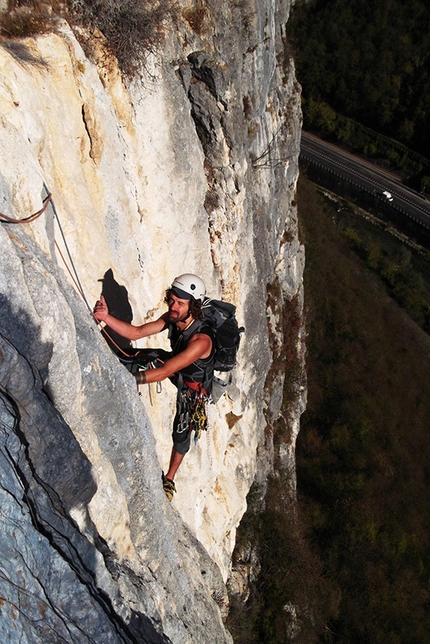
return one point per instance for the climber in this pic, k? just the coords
(189, 365)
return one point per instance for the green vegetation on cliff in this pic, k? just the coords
(350, 563)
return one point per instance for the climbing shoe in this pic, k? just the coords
(168, 487)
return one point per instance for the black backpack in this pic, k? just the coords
(222, 319)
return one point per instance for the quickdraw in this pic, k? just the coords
(139, 366)
(193, 412)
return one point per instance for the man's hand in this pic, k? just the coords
(101, 310)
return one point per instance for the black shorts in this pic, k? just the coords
(181, 433)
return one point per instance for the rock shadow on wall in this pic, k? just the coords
(40, 451)
(116, 297)
(47, 438)
(19, 329)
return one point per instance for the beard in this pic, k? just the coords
(174, 317)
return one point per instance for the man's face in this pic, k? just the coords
(179, 310)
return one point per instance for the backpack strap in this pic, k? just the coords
(195, 327)
(200, 371)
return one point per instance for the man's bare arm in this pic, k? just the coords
(126, 330)
(199, 346)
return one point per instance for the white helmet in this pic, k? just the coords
(189, 286)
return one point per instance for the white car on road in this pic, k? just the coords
(388, 196)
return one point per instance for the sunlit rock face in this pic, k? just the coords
(190, 167)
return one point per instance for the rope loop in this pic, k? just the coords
(27, 220)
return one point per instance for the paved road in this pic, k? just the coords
(366, 176)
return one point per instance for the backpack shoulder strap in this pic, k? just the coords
(198, 326)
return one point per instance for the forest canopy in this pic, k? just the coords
(367, 61)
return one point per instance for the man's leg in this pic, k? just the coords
(181, 444)
(175, 460)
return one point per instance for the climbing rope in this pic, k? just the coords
(76, 281)
(208, 450)
(5, 219)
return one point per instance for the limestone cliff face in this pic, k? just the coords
(191, 167)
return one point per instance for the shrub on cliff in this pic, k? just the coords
(132, 29)
(28, 18)
(129, 29)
